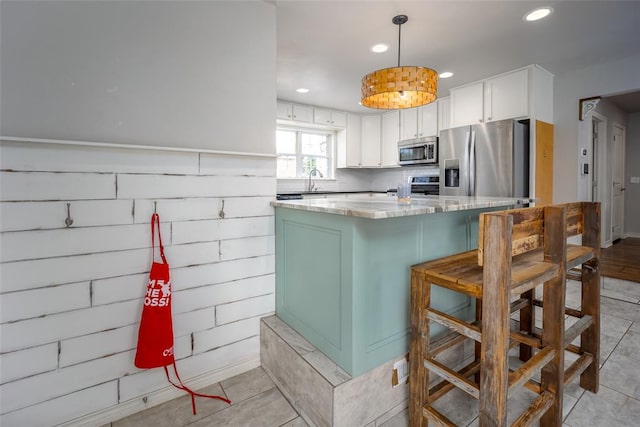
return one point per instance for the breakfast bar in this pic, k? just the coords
(343, 263)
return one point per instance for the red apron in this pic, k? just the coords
(155, 336)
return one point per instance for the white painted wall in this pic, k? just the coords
(72, 296)
(570, 134)
(150, 74)
(170, 73)
(632, 168)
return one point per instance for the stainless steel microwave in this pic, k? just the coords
(422, 151)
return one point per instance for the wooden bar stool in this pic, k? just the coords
(583, 218)
(519, 250)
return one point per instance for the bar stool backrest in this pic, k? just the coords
(528, 226)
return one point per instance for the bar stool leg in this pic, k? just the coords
(419, 348)
(555, 249)
(527, 323)
(590, 339)
(494, 362)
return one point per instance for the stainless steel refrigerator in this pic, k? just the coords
(490, 159)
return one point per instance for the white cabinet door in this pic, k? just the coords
(409, 127)
(321, 117)
(371, 140)
(339, 119)
(467, 105)
(284, 111)
(302, 113)
(353, 154)
(390, 137)
(428, 120)
(444, 113)
(506, 96)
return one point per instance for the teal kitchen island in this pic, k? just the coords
(343, 265)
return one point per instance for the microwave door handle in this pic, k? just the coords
(472, 165)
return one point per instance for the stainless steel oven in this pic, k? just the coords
(423, 151)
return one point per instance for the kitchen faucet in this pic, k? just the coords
(311, 185)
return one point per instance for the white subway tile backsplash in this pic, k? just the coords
(115, 289)
(93, 346)
(198, 320)
(18, 216)
(31, 361)
(47, 329)
(225, 334)
(178, 209)
(58, 410)
(212, 295)
(181, 186)
(192, 254)
(142, 381)
(43, 301)
(40, 388)
(238, 207)
(191, 209)
(248, 247)
(32, 186)
(221, 357)
(258, 306)
(191, 277)
(22, 275)
(69, 158)
(237, 166)
(220, 229)
(25, 245)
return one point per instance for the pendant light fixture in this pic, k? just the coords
(399, 87)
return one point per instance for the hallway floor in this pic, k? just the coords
(258, 402)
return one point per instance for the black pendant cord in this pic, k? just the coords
(399, 32)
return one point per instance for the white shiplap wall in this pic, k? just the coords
(71, 297)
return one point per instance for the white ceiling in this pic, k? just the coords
(324, 45)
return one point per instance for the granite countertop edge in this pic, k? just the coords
(380, 208)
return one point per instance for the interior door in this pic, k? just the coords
(617, 202)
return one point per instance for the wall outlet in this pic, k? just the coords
(635, 180)
(400, 372)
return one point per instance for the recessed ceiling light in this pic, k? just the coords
(379, 48)
(539, 13)
(302, 90)
(445, 75)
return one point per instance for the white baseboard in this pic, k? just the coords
(631, 234)
(130, 407)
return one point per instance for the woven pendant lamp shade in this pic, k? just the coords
(399, 87)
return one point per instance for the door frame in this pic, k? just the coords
(612, 156)
(603, 191)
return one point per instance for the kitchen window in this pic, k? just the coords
(299, 151)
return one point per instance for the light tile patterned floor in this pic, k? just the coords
(257, 401)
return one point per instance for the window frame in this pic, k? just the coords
(299, 156)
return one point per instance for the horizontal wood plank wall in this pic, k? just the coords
(72, 296)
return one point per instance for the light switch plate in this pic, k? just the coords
(635, 179)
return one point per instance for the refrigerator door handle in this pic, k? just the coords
(472, 165)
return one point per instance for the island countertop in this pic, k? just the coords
(378, 206)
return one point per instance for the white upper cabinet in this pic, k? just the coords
(329, 117)
(302, 113)
(428, 120)
(390, 138)
(289, 111)
(526, 92)
(409, 123)
(444, 113)
(349, 150)
(506, 97)
(284, 111)
(371, 128)
(467, 105)
(419, 122)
